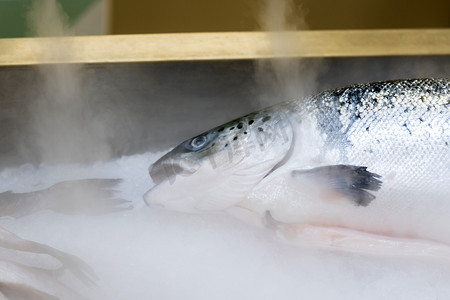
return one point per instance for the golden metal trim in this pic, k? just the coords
(224, 46)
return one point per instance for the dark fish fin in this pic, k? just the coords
(351, 181)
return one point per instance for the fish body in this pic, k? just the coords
(372, 157)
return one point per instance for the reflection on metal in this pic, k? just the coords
(224, 46)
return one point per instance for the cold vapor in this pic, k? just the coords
(284, 78)
(65, 124)
(151, 253)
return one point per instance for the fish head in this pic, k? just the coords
(217, 169)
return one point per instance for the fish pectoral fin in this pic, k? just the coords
(348, 240)
(354, 182)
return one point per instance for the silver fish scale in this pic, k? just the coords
(398, 129)
(357, 109)
(407, 94)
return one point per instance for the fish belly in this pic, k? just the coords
(410, 152)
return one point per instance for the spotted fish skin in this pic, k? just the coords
(399, 122)
(345, 111)
(399, 130)
(363, 119)
(395, 133)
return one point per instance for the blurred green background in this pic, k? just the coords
(13, 15)
(163, 16)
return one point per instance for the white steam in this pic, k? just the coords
(47, 19)
(64, 125)
(148, 253)
(288, 78)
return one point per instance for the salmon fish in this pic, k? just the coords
(364, 167)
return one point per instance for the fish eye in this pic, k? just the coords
(197, 143)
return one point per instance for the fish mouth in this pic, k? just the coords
(160, 172)
(163, 194)
(167, 169)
